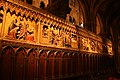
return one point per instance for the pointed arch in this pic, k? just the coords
(71, 63)
(76, 62)
(20, 60)
(43, 53)
(65, 63)
(31, 64)
(6, 63)
(50, 54)
(50, 64)
(8, 50)
(99, 24)
(32, 51)
(22, 51)
(42, 64)
(58, 63)
(58, 54)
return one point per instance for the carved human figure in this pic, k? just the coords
(67, 40)
(84, 43)
(45, 31)
(23, 29)
(30, 34)
(13, 28)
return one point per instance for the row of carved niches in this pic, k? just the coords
(1, 18)
(19, 27)
(58, 37)
(87, 44)
(61, 38)
(24, 29)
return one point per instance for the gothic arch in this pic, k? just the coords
(57, 63)
(65, 63)
(99, 24)
(43, 53)
(21, 50)
(58, 54)
(7, 63)
(31, 64)
(42, 64)
(32, 51)
(20, 61)
(7, 50)
(50, 64)
(71, 62)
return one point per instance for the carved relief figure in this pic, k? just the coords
(60, 38)
(30, 34)
(99, 47)
(30, 31)
(84, 43)
(45, 31)
(67, 40)
(13, 29)
(21, 28)
(54, 36)
(74, 38)
(92, 45)
(22, 31)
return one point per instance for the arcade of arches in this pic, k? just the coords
(59, 39)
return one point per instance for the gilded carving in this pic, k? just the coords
(45, 31)
(84, 43)
(20, 27)
(67, 39)
(99, 47)
(1, 19)
(109, 48)
(28, 25)
(92, 45)
(54, 36)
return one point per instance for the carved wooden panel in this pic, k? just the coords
(42, 65)
(20, 64)
(7, 63)
(31, 65)
(50, 65)
(58, 64)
